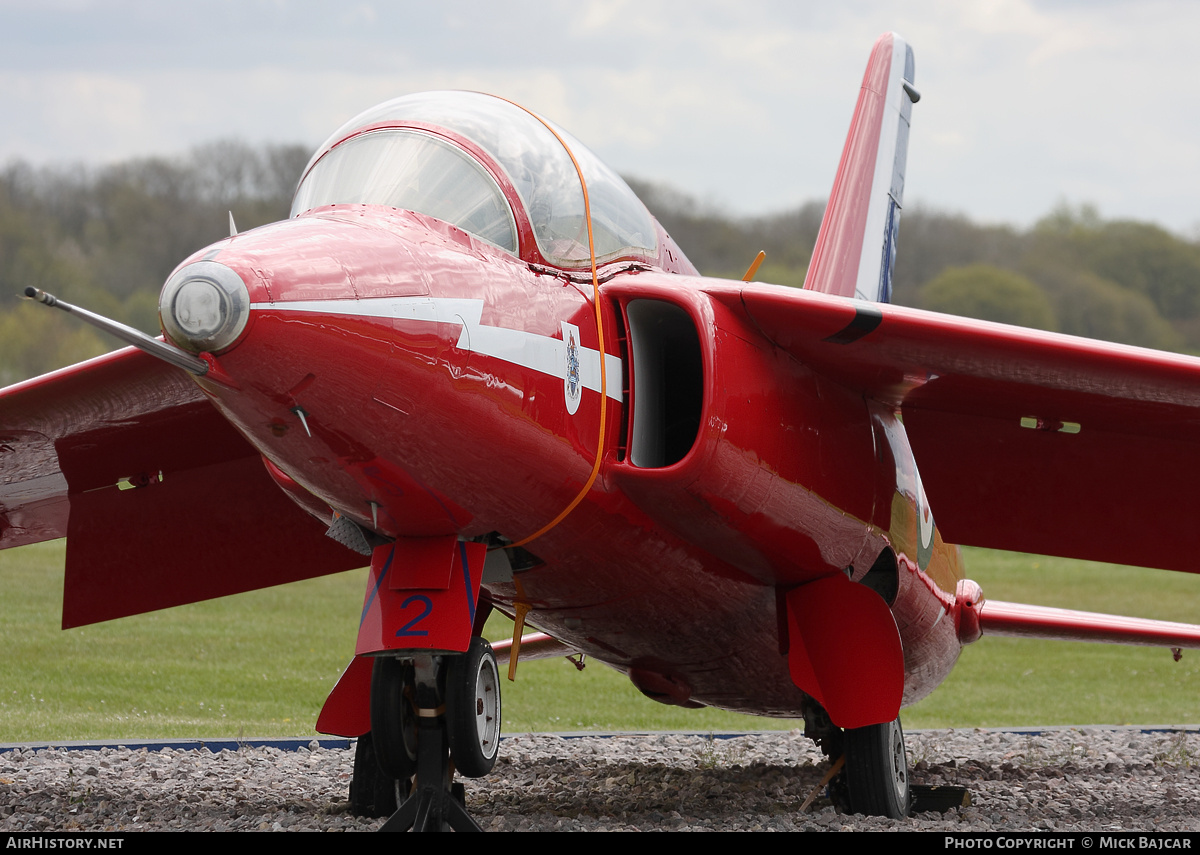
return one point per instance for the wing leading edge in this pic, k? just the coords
(1026, 441)
(161, 501)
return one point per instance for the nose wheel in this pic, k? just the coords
(432, 715)
(473, 709)
(877, 770)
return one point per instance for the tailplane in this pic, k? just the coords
(856, 246)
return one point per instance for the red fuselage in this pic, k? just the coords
(404, 374)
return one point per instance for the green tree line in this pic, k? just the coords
(1072, 272)
(106, 238)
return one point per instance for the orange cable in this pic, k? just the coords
(587, 213)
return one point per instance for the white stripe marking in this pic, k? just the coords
(540, 353)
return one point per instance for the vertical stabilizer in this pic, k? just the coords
(856, 246)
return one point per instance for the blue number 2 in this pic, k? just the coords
(407, 629)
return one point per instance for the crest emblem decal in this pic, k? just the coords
(572, 378)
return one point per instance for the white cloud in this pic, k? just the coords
(1025, 102)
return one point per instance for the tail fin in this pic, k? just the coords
(856, 246)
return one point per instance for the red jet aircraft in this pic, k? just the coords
(473, 358)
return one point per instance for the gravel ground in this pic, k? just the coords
(1092, 779)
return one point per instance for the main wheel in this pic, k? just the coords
(877, 770)
(372, 791)
(393, 718)
(473, 709)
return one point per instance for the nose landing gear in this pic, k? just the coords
(473, 709)
(432, 715)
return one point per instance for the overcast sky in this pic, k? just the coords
(1026, 103)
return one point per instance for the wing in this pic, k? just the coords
(1025, 440)
(1019, 620)
(162, 502)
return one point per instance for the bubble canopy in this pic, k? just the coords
(407, 154)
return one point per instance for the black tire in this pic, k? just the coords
(473, 709)
(372, 792)
(877, 770)
(393, 718)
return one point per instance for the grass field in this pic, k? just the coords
(260, 664)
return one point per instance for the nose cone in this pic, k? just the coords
(204, 307)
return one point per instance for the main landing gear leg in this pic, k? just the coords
(431, 715)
